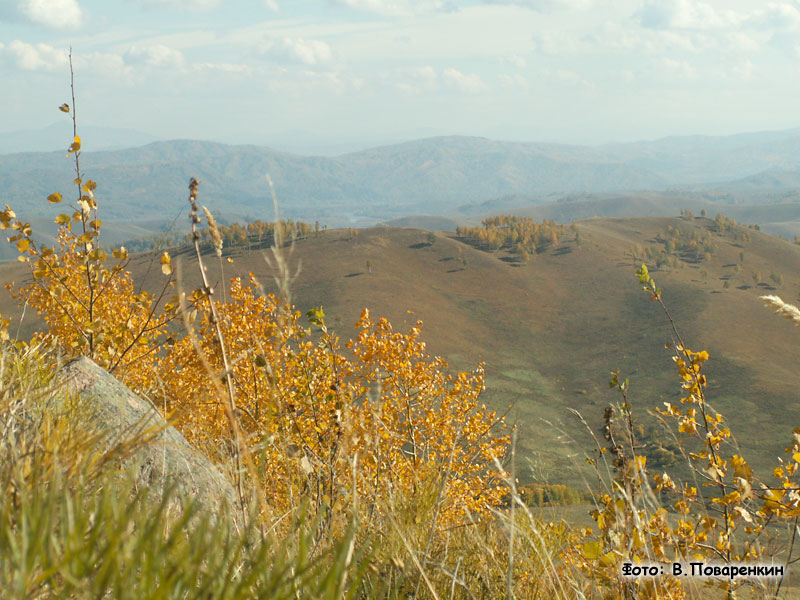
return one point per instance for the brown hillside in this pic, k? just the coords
(551, 331)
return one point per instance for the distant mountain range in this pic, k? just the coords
(435, 176)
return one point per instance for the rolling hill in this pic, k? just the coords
(550, 331)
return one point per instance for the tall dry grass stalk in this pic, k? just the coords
(785, 310)
(230, 406)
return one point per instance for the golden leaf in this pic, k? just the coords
(166, 266)
(64, 108)
(592, 550)
(76, 145)
(54, 198)
(98, 254)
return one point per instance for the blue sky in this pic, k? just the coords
(579, 71)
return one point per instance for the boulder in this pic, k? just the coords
(160, 456)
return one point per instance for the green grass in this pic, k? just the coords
(73, 523)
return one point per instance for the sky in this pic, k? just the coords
(348, 71)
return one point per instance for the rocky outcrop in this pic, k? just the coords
(159, 455)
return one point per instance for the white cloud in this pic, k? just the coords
(743, 71)
(626, 75)
(36, 57)
(396, 7)
(414, 80)
(299, 50)
(667, 42)
(546, 5)
(54, 14)
(515, 81)
(678, 68)
(567, 76)
(43, 57)
(516, 60)
(554, 42)
(108, 65)
(272, 5)
(776, 16)
(293, 82)
(157, 55)
(468, 83)
(183, 4)
(683, 14)
(229, 68)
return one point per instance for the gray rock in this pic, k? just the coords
(158, 454)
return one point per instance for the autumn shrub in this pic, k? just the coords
(724, 515)
(74, 525)
(340, 432)
(316, 411)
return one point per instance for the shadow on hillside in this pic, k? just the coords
(419, 245)
(354, 274)
(455, 270)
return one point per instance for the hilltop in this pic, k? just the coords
(550, 331)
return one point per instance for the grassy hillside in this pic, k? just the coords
(551, 331)
(779, 216)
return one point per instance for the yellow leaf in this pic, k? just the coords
(76, 145)
(592, 550)
(608, 559)
(62, 219)
(772, 499)
(97, 254)
(23, 244)
(120, 253)
(54, 198)
(64, 108)
(166, 266)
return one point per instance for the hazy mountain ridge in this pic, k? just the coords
(449, 176)
(434, 175)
